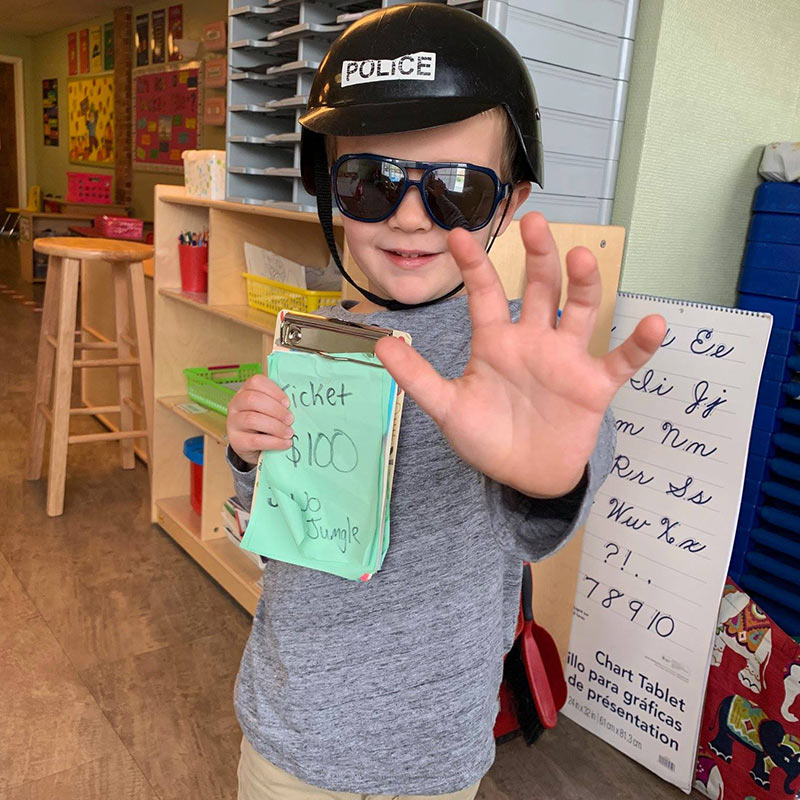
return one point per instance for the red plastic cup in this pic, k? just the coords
(196, 486)
(194, 267)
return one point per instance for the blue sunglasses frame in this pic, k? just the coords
(500, 188)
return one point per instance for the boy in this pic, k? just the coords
(390, 687)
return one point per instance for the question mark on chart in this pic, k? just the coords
(608, 555)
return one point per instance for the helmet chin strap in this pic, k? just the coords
(325, 214)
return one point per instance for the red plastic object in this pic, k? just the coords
(196, 483)
(506, 724)
(119, 227)
(194, 274)
(88, 187)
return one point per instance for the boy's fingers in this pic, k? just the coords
(261, 383)
(253, 422)
(416, 376)
(488, 304)
(256, 401)
(584, 292)
(543, 271)
(625, 360)
(258, 442)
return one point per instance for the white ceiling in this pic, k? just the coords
(34, 17)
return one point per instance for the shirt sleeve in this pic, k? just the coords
(244, 477)
(533, 528)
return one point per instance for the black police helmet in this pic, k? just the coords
(418, 66)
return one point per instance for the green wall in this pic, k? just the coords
(22, 47)
(49, 60)
(712, 83)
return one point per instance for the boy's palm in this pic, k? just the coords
(528, 408)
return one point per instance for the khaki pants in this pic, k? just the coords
(261, 780)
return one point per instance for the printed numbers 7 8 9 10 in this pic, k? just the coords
(662, 624)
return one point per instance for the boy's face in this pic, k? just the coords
(405, 257)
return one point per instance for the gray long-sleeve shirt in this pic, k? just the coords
(391, 686)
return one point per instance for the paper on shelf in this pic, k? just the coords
(267, 264)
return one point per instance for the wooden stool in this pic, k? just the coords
(56, 354)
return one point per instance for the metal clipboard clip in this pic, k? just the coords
(322, 336)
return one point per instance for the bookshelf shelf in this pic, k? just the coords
(217, 327)
(211, 423)
(219, 557)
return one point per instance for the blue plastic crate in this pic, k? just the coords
(770, 282)
(765, 419)
(748, 519)
(784, 469)
(784, 312)
(778, 197)
(769, 255)
(771, 393)
(780, 342)
(760, 445)
(751, 492)
(781, 228)
(778, 368)
(756, 468)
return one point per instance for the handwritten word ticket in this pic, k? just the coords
(659, 537)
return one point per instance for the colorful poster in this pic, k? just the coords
(175, 31)
(72, 52)
(50, 111)
(83, 50)
(95, 49)
(158, 40)
(166, 116)
(108, 46)
(91, 120)
(142, 40)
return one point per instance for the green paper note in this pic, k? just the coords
(322, 503)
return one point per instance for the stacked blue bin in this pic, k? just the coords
(766, 552)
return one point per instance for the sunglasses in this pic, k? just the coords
(369, 188)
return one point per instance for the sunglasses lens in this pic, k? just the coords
(460, 197)
(368, 189)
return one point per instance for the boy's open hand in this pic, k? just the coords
(527, 410)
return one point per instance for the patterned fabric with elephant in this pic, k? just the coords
(750, 735)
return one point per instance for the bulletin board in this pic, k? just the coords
(168, 113)
(91, 120)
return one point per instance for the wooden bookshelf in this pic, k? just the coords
(195, 330)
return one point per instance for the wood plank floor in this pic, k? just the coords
(118, 654)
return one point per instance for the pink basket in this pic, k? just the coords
(88, 187)
(119, 227)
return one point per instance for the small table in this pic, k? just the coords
(95, 209)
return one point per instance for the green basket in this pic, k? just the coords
(208, 385)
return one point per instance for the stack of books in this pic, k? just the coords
(234, 519)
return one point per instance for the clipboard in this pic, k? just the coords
(311, 333)
(335, 339)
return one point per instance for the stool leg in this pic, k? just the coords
(44, 369)
(144, 349)
(65, 354)
(124, 374)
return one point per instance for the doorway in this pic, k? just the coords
(12, 135)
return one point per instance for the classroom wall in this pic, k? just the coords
(49, 60)
(711, 84)
(22, 47)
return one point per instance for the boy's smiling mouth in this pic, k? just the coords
(409, 258)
